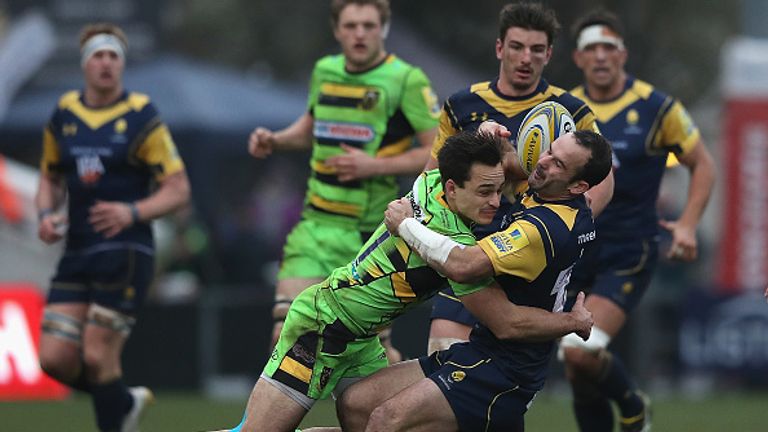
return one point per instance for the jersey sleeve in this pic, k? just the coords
(419, 103)
(51, 153)
(678, 132)
(445, 129)
(517, 251)
(586, 120)
(159, 152)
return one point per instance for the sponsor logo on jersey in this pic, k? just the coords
(588, 237)
(89, 169)
(325, 376)
(509, 241)
(355, 132)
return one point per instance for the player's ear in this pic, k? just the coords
(578, 187)
(450, 188)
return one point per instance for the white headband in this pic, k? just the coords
(102, 41)
(598, 33)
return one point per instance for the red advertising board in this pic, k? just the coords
(21, 309)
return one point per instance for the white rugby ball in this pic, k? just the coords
(542, 125)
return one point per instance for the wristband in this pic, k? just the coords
(43, 213)
(134, 212)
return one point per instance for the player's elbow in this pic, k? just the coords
(461, 272)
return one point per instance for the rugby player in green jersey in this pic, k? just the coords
(364, 107)
(330, 340)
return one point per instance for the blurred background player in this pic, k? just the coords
(365, 105)
(644, 125)
(488, 383)
(102, 150)
(524, 47)
(329, 338)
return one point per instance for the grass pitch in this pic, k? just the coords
(192, 412)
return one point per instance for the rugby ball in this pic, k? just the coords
(542, 125)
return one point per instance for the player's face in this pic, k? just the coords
(359, 32)
(104, 71)
(553, 174)
(479, 199)
(523, 54)
(602, 64)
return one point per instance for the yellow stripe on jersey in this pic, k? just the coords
(345, 209)
(518, 250)
(374, 271)
(159, 150)
(321, 168)
(566, 213)
(296, 369)
(445, 129)
(344, 90)
(395, 148)
(606, 111)
(403, 290)
(51, 151)
(403, 249)
(98, 118)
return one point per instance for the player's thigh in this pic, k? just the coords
(270, 409)
(61, 337)
(368, 393)
(314, 249)
(419, 407)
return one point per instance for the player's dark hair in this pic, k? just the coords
(600, 160)
(530, 16)
(465, 148)
(598, 16)
(338, 5)
(91, 30)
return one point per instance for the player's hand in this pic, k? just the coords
(260, 142)
(684, 246)
(354, 164)
(396, 213)
(110, 217)
(52, 227)
(583, 317)
(493, 128)
(765, 294)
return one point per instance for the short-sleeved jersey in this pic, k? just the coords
(387, 277)
(377, 111)
(532, 259)
(643, 125)
(112, 153)
(466, 109)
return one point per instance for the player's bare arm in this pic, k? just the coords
(457, 262)
(528, 324)
(297, 136)
(111, 217)
(702, 168)
(51, 193)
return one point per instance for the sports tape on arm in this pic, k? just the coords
(431, 246)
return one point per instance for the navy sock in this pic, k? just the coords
(111, 401)
(595, 415)
(81, 382)
(616, 384)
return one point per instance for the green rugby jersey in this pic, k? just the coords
(387, 277)
(377, 111)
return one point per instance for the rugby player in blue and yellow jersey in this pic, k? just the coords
(644, 126)
(488, 383)
(104, 149)
(365, 105)
(524, 47)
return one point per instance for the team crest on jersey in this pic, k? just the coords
(348, 132)
(510, 240)
(89, 169)
(457, 376)
(369, 100)
(632, 118)
(69, 129)
(119, 136)
(431, 100)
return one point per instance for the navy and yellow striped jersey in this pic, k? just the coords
(377, 111)
(387, 278)
(643, 125)
(110, 153)
(532, 260)
(466, 109)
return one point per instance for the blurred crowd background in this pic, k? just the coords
(216, 70)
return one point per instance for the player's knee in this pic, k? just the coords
(352, 409)
(385, 418)
(62, 367)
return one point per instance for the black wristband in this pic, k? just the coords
(134, 212)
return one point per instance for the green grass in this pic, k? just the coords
(190, 412)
